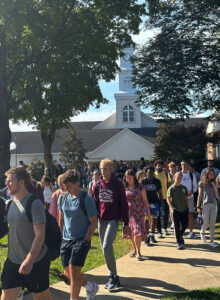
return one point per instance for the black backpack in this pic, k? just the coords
(3, 218)
(53, 236)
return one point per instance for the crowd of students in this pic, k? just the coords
(144, 197)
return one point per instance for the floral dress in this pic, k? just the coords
(136, 212)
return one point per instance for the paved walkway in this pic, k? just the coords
(167, 271)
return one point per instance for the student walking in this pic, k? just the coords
(111, 202)
(77, 221)
(28, 262)
(207, 204)
(178, 202)
(137, 200)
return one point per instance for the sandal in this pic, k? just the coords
(132, 254)
(139, 257)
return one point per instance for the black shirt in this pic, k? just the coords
(152, 187)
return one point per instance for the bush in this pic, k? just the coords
(36, 167)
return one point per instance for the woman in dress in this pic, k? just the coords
(207, 198)
(137, 200)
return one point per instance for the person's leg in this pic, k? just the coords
(45, 295)
(137, 240)
(205, 217)
(184, 225)
(133, 245)
(166, 216)
(213, 216)
(108, 233)
(77, 280)
(176, 219)
(159, 223)
(190, 216)
(11, 294)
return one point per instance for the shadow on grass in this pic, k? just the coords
(208, 294)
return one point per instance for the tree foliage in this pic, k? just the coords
(36, 167)
(180, 142)
(73, 152)
(52, 55)
(177, 72)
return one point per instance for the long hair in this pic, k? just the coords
(204, 178)
(131, 173)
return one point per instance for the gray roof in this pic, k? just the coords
(30, 141)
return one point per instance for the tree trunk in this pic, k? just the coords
(5, 133)
(48, 138)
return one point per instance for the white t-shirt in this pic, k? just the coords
(47, 194)
(187, 182)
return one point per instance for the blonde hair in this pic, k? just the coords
(139, 174)
(171, 164)
(60, 179)
(108, 162)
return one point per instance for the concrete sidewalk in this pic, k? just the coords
(167, 271)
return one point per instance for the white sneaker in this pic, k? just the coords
(191, 235)
(172, 226)
(21, 295)
(165, 232)
(203, 237)
(159, 235)
(91, 295)
(213, 244)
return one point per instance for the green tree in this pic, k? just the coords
(73, 152)
(177, 72)
(36, 167)
(180, 142)
(42, 40)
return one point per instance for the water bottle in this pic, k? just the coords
(199, 219)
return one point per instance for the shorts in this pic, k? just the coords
(154, 209)
(36, 282)
(191, 204)
(74, 252)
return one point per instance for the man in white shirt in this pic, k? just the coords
(189, 181)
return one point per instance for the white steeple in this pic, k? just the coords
(128, 114)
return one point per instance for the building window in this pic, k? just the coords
(128, 114)
(127, 83)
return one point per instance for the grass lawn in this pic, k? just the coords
(94, 259)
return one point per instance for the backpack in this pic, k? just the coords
(3, 218)
(53, 236)
(82, 201)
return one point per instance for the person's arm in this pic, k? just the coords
(215, 189)
(170, 203)
(92, 227)
(146, 203)
(27, 264)
(199, 199)
(194, 184)
(169, 181)
(61, 221)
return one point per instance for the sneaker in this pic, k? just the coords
(182, 242)
(153, 240)
(213, 244)
(147, 242)
(179, 247)
(191, 235)
(203, 237)
(91, 295)
(160, 235)
(114, 283)
(21, 295)
(165, 232)
(172, 226)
